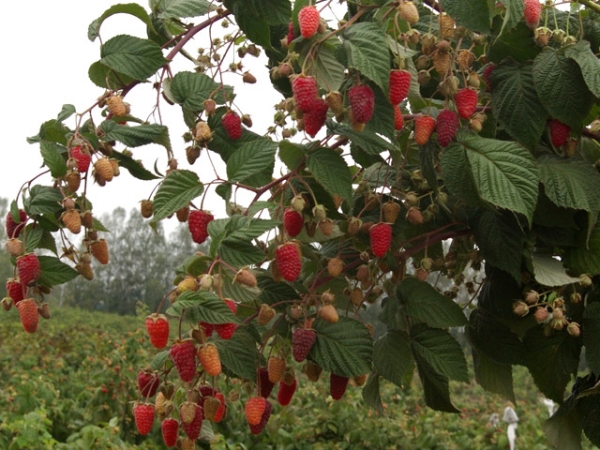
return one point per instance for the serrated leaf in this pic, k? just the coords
(422, 302)
(129, 8)
(493, 376)
(371, 395)
(324, 66)
(191, 89)
(585, 258)
(589, 64)
(515, 43)
(177, 189)
(436, 387)
(255, 28)
(392, 357)
(366, 48)
(135, 57)
(54, 158)
(472, 15)
(512, 15)
(550, 272)
(135, 136)
(367, 140)
(54, 272)
(591, 336)
(34, 236)
(588, 410)
(52, 131)
(252, 163)
(240, 254)
(441, 352)
(243, 228)
(159, 360)
(331, 171)
(105, 77)
(563, 429)
(66, 112)
(275, 292)
(202, 306)
(516, 103)
(344, 348)
(239, 354)
(291, 154)
(132, 166)
(43, 200)
(176, 9)
(561, 87)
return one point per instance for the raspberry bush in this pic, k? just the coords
(494, 226)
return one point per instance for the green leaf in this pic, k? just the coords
(494, 377)
(561, 87)
(66, 112)
(503, 172)
(136, 136)
(516, 103)
(344, 348)
(134, 167)
(563, 429)
(52, 131)
(275, 292)
(370, 393)
(367, 140)
(54, 158)
(589, 64)
(128, 8)
(570, 183)
(291, 154)
(34, 235)
(176, 9)
(323, 65)
(552, 360)
(588, 410)
(177, 189)
(331, 171)
(392, 358)
(441, 352)
(54, 272)
(191, 89)
(512, 15)
(515, 43)
(367, 51)
(591, 335)
(255, 28)
(436, 388)
(202, 306)
(242, 228)
(107, 78)
(273, 12)
(469, 14)
(239, 354)
(137, 58)
(252, 163)
(159, 360)
(550, 272)
(422, 302)
(43, 200)
(240, 254)
(585, 258)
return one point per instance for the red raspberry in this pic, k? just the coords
(143, 413)
(305, 92)
(487, 73)
(532, 13)
(147, 382)
(208, 328)
(466, 102)
(290, 35)
(288, 260)
(362, 102)
(424, 126)
(381, 238)
(28, 312)
(303, 340)
(446, 126)
(198, 225)
(559, 132)
(232, 123)
(193, 428)
(82, 157)
(183, 354)
(157, 326)
(221, 410)
(256, 429)
(15, 290)
(308, 19)
(254, 409)
(315, 118)
(208, 355)
(28, 267)
(265, 386)
(292, 222)
(337, 386)
(399, 85)
(286, 391)
(226, 330)
(398, 118)
(13, 228)
(170, 432)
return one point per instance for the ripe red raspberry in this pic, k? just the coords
(308, 19)
(170, 431)
(290, 35)
(208, 328)
(292, 222)
(28, 312)
(143, 413)
(198, 225)
(337, 386)
(381, 238)
(148, 383)
(399, 85)
(254, 409)
(82, 157)
(315, 118)
(13, 228)
(362, 102)
(398, 118)
(183, 354)
(28, 268)
(208, 355)
(466, 102)
(303, 340)
(487, 74)
(305, 92)
(559, 132)
(232, 123)
(226, 330)
(256, 429)
(265, 386)
(288, 260)
(157, 326)
(532, 13)
(192, 429)
(424, 126)
(15, 290)
(287, 388)
(446, 126)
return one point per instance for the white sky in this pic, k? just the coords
(47, 57)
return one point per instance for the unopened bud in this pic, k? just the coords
(520, 308)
